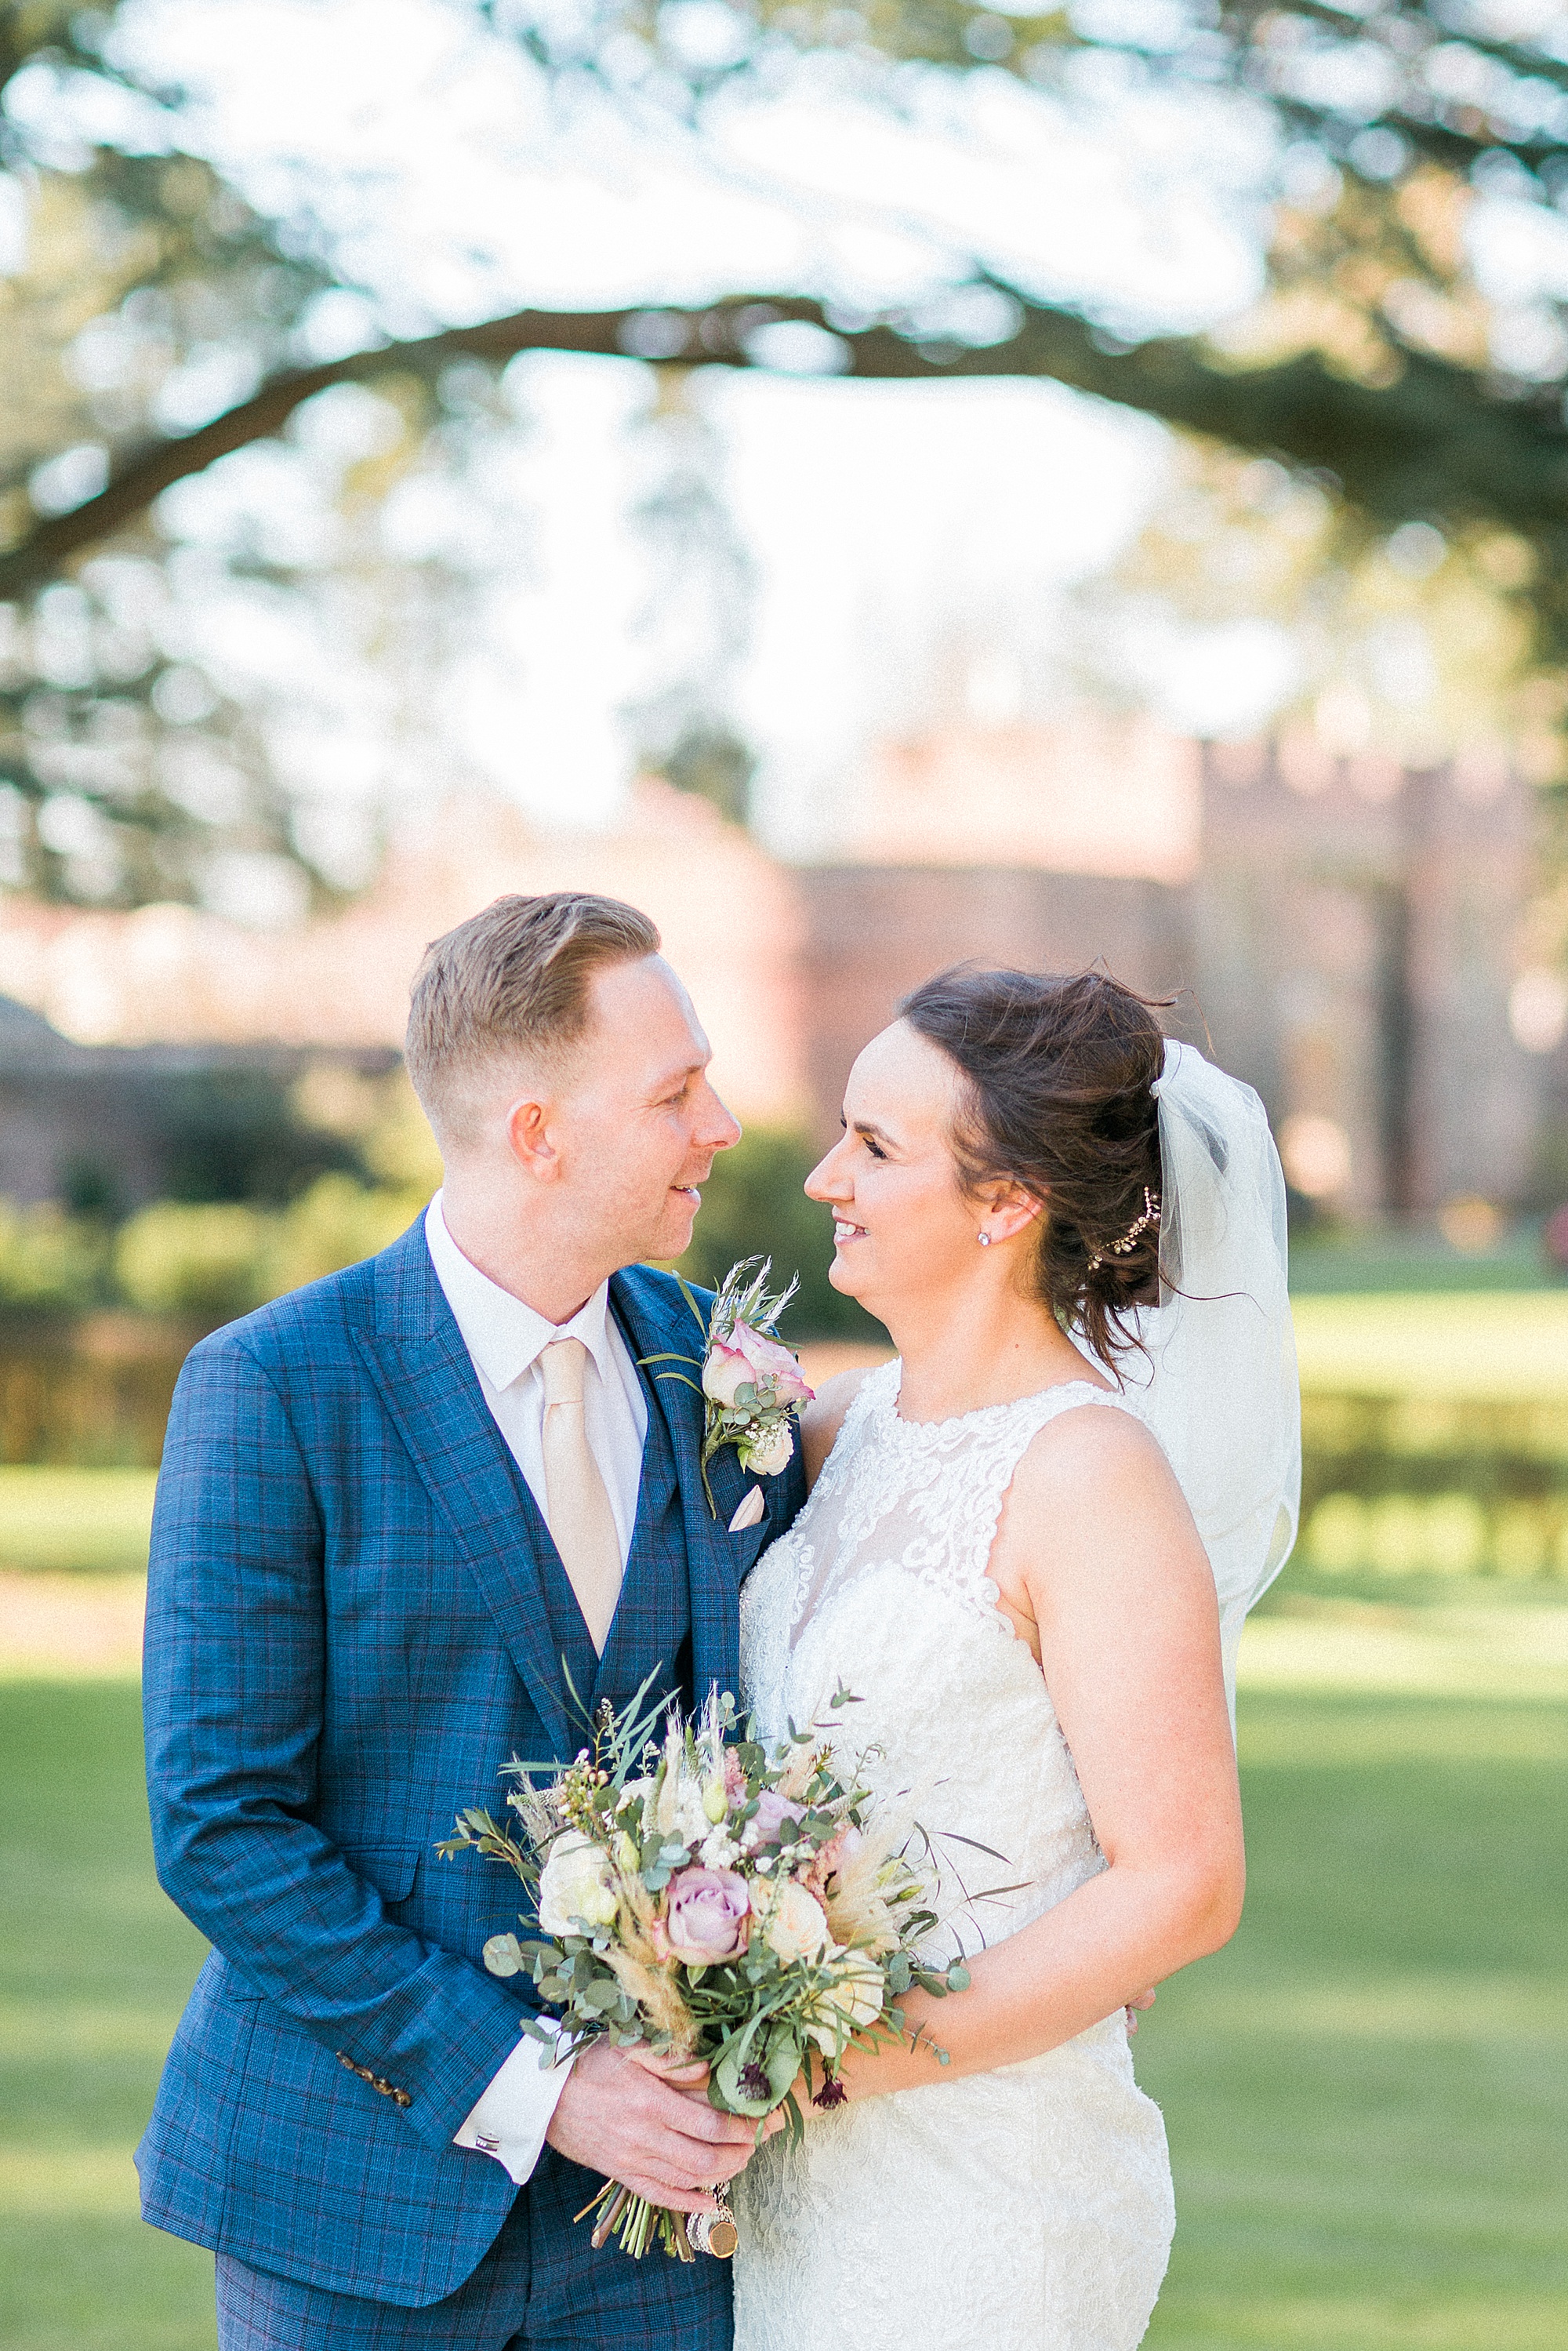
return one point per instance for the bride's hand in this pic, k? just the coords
(1139, 1999)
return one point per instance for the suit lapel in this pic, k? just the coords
(655, 1326)
(428, 1383)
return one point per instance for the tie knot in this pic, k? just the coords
(563, 1363)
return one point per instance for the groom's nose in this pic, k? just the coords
(716, 1129)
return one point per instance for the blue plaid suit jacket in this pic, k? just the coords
(345, 1639)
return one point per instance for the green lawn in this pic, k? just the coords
(1367, 2093)
(94, 1968)
(92, 1518)
(1493, 1346)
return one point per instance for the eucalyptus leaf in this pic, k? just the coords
(780, 2061)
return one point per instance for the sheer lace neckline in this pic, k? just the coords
(921, 1498)
(891, 1389)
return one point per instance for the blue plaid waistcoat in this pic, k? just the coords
(355, 1616)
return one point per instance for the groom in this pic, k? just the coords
(396, 1511)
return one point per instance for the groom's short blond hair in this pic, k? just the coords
(511, 985)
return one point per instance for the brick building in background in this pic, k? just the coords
(1353, 933)
(1345, 935)
(1014, 845)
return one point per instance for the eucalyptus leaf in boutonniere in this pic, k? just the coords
(749, 1382)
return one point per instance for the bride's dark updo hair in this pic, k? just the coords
(1056, 1096)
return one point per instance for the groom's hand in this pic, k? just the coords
(622, 2113)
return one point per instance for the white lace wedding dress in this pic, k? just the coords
(1025, 2210)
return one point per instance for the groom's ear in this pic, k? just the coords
(530, 1141)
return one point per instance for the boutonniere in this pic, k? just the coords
(749, 1382)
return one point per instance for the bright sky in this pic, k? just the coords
(885, 524)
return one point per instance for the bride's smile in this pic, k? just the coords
(942, 1252)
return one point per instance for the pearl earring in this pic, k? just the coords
(983, 1239)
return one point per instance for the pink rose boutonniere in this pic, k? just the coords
(749, 1382)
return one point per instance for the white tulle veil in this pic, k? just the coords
(1219, 1385)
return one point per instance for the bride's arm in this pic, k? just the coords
(1098, 1546)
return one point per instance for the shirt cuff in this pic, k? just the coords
(514, 2112)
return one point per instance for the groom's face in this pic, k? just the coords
(635, 1126)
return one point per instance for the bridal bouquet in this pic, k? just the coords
(715, 1903)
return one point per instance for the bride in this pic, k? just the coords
(1000, 1561)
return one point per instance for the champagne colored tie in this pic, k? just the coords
(581, 1520)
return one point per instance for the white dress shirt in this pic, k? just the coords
(505, 1340)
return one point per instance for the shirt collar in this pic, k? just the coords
(504, 1336)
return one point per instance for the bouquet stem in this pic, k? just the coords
(635, 2224)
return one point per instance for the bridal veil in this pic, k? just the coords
(1219, 1385)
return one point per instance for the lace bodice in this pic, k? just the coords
(883, 1585)
(885, 2228)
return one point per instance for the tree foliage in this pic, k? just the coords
(158, 322)
(146, 287)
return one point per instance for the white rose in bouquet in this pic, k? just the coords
(575, 1884)
(795, 1927)
(855, 2000)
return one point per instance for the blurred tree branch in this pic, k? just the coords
(1419, 434)
(1371, 363)
(1436, 442)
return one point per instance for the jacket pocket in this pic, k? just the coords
(390, 1868)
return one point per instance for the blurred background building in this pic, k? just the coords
(1343, 933)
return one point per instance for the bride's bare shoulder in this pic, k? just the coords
(824, 1416)
(1094, 1488)
(1099, 1448)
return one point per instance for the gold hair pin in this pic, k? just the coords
(1124, 1248)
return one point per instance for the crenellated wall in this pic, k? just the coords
(1354, 931)
(1346, 936)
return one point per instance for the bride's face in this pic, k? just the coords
(902, 1221)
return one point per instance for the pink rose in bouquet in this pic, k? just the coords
(840, 1850)
(708, 1916)
(745, 1356)
(772, 1810)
